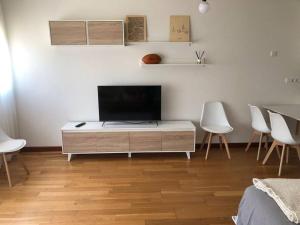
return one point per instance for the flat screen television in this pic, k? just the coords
(129, 103)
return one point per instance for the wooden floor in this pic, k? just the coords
(158, 189)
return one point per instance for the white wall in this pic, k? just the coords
(58, 84)
(8, 117)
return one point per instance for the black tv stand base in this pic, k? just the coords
(122, 123)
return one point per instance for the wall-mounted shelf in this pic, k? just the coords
(159, 43)
(87, 32)
(171, 64)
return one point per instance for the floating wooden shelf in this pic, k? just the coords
(159, 43)
(172, 64)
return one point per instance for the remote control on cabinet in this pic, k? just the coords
(80, 125)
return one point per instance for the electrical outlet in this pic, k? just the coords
(292, 80)
(274, 53)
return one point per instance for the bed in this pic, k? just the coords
(257, 208)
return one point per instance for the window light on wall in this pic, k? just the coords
(6, 79)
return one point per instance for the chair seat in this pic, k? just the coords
(12, 145)
(295, 141)
(263, 130)
(216, 129)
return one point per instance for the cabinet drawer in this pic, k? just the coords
(145, 141)
(113, 142)
(79, 142)
(178, 141)
(95, 142)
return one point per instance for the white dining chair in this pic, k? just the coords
(260, 129)
(282, 137)
(11, 146)
(215, 123)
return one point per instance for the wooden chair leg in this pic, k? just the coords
(226, 145)
(208, 145)
(259, 145)
(274, 144)
(287, 154)
(298, 150)
(204, 140)
(7, 170)
(281, 160)
(20, 159)
(221, 143)
(250, 141)
(267, 142)
(278, 151)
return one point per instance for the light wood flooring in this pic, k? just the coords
(149, 189)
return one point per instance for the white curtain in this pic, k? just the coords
(8, 117)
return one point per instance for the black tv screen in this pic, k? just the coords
(129, 103)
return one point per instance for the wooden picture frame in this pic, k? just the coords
(180, 28)
(106, 32)
(136, 28)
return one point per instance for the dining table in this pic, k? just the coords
(289, 110)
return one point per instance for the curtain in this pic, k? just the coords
(8, 115)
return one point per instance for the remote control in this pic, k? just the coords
(80, 125)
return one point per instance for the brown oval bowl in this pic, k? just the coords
(151, 59)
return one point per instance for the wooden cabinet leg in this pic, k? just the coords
(7, 170)
(188, 155)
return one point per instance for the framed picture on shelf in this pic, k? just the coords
(136, 28)
(180, 28)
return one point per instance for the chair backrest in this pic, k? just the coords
(279, 129)
(3, 136)
(213, 113)
(257, 118)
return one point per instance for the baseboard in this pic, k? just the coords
(42, 149)
(231, 145)
(59, 149)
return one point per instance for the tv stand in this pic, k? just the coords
(94, 138)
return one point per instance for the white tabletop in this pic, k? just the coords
(162, 126)
(290, 110)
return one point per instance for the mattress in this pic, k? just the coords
(257, 208)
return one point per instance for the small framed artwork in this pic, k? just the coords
(136, 28)
(180, 28)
